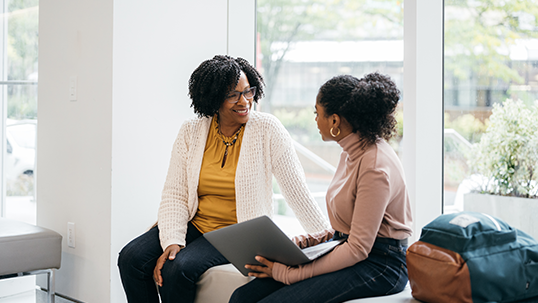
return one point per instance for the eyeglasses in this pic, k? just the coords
(234, 97)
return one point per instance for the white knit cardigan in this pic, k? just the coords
(266, 150)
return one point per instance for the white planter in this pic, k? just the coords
(521, 213)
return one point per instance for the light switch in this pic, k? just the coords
(71, 234)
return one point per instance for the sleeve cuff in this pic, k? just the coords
(279, 273)
(167, 243)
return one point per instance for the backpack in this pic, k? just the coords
(472, 257)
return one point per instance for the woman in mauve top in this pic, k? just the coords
(367, 204)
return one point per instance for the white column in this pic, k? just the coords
(423, 108)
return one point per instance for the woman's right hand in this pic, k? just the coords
(169, 254)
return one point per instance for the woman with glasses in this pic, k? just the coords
(367, 203)
(220, 173)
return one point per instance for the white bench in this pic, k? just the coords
(218, 283)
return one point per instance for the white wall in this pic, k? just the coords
(102, 159)
(75, 140)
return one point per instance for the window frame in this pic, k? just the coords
(4, 84)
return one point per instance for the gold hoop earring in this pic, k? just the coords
(334, 136)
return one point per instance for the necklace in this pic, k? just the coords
(228, 144)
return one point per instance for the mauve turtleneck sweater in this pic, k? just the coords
(366, 199)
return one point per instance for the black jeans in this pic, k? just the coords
(138, 258)
(384, 272)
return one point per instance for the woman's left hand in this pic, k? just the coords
(261, 271)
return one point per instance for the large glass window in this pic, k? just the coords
(490, 93)
(302, 44)
(19, 100)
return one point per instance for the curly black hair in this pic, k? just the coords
(213, 79)
(368, 104)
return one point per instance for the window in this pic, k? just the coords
(19, 96)
(490, 89)
(302, 44)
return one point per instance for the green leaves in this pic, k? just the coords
(479, 34)
(22, 57)
(22, 38)
(508, 151)
(282, 23)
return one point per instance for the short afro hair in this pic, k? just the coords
(368, 104)
(215, 78)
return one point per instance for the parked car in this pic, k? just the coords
(20, 151)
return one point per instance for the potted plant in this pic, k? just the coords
(505, 166)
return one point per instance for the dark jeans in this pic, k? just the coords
(138, 258)
(384, 272)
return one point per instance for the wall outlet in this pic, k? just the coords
(71, 234)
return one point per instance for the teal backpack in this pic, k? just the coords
(473, 257)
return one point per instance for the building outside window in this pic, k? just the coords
(490, 56)
(18, 87)
(302, 44)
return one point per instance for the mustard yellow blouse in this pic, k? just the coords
(216, 188)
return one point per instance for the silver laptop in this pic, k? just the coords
(241, 242)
